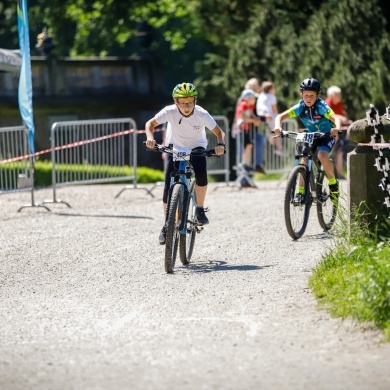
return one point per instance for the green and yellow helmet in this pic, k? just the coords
(184, 90)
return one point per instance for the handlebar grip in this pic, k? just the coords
(155, 149)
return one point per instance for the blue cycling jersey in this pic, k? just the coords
(314, 118)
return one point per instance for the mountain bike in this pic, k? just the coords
(308, 172)
(180, 220)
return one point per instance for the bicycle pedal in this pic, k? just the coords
(196, 225)
(323, 198)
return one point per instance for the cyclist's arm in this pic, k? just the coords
(337, 121)
(219, 149)
(278, 121)
(149, 130)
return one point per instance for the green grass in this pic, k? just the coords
(353, 278)
(43, 172)
(268, 176)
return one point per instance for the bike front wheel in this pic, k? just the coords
(326, 206)
(187, 241)
(173, 228)
(296, 209)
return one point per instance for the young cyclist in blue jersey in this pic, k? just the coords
(315, 115)
(187, 123)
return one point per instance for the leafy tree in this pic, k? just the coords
(348, 46)
(262, 46)
(224, 43)
(8, 25)
(340, 42)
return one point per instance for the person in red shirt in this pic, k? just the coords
(247, 121)
(335, 102)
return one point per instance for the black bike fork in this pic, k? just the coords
(186, 199)
(307, 184)
(171, 187)
(318, 184)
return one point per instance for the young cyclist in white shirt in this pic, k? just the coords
(187, 122)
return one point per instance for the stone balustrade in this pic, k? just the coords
(83, 76)
(368, 175)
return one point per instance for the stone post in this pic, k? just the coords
(367, 192)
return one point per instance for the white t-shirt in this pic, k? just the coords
(264, 104)
(191, 131)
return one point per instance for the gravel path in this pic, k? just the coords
(86, 304)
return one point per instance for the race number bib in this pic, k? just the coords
(181, 154)
(306, 137)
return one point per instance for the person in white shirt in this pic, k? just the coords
(266, 107)
(187, 122)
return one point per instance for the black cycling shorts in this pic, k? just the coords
(200, 169)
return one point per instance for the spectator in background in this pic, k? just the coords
(334, 101)
(254, 85)
(247, 122)
(266, 107)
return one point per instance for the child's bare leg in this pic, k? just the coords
(248, 154)
(328, 166)
(200, 193)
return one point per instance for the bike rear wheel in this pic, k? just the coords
(296, 213)
(173, 226)
(187, 241)
(326, 207)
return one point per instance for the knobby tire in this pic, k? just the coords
(326, 211)
(187, 241)
(299, 213)
(173, 223)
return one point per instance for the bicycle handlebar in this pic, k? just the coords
(293, 134)
(194, 152)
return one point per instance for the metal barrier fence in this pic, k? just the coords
(262, 140)
(97, 154)
(15, 176)
(279, 163)
(219, 166)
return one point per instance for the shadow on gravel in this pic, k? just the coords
(101, 216)
(320, 236)
(219, 265)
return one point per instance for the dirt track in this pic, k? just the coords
(86, 304)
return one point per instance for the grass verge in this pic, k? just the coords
(43, 172)
(353, 278)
